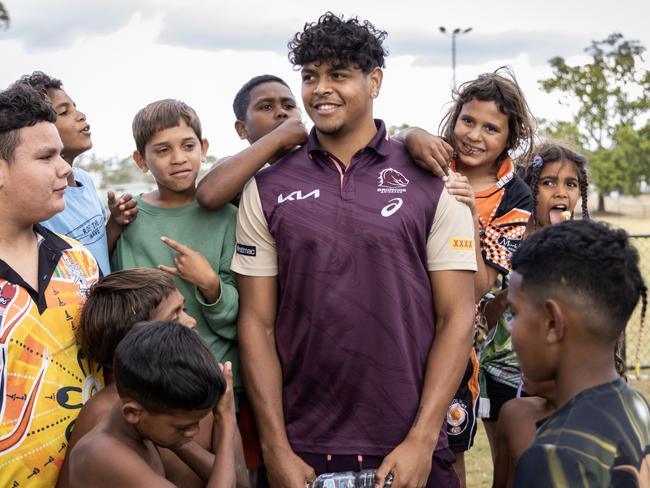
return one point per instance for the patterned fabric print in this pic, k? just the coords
(502, 229)
(599, 438)
(504, 209)
(45, 380)
(497, 357)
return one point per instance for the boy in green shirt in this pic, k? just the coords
(175, 234)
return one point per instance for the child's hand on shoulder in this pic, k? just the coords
(430, 152)
(123, 210)
(194, 267)
(224, 411)
(458, 186)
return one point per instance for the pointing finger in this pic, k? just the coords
(176, 246)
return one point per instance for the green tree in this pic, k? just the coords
(4, 17)
(609, 92)
(394, 129)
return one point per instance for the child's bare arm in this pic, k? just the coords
(200, 460)
(90, 415)
(504, 468)
(429, 151)
(225, 181)
(223, 437)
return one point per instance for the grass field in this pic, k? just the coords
(634, 216)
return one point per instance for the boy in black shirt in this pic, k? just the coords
(573, 289)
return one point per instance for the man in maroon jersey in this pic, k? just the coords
(351, 259)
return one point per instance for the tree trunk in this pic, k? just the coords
(601, 203)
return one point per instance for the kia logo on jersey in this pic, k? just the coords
(297, 195)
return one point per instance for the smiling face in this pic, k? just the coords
(32, 185)
(174, 157)
(71, 124)
(338, 98)
(172, 307)
(271, 103)
(481, 134)
(558, 190)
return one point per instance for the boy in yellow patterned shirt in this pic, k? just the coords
(44, 379)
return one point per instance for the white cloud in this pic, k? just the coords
(115, 57)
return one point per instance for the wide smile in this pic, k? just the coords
(469, 150)
(325, 108)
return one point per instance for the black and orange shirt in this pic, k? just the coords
(503, 209)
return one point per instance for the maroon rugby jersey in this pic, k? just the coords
(352, 250)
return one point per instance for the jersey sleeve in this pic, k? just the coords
(255, 250)
(450, 244)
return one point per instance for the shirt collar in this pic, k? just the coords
(379, 143)
(51, 240)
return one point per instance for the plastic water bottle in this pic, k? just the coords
(349, 479)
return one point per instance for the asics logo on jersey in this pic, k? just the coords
(391, 208)
(297, 195)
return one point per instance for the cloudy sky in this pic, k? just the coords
(115, 57)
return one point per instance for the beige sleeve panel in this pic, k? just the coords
(255, 252)
(450, 245)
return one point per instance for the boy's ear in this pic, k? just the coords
(132, 411)
(204, 149)
(554, 321)
(240, 127)
(139, 160)
(375, 78)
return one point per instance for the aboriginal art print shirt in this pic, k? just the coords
(45, 379)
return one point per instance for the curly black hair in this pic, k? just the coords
(550, 151)
(40, 82)
(588, 262)
(501, 88)
(20, 106)
(334, 39)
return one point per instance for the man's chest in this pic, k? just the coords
(378, 203)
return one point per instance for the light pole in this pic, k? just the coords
(456, 32)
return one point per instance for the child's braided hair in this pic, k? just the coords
(550, 152)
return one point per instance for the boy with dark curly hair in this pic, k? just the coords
(573, 288)
(350, 259)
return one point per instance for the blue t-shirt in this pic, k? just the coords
(84, 218)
